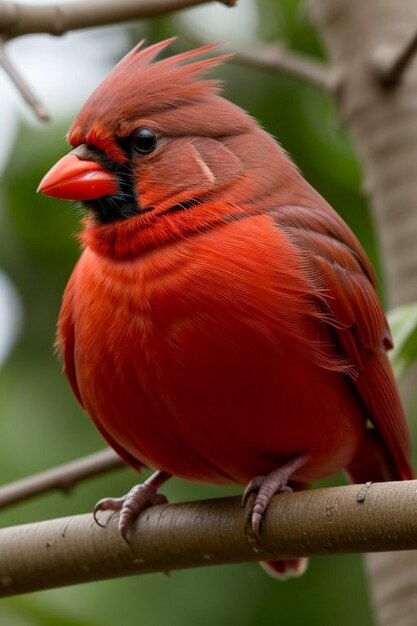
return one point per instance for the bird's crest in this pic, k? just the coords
(138, 86)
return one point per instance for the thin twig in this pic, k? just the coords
(63, 477)
(323, 521)
(391, 64)
(22, 86)
(274, 57)
(21, 19)
(280, 59)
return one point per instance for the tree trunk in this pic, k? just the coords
(362, 38)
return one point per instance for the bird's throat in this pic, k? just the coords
(120, 206)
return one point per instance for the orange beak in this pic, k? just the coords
(72, 178)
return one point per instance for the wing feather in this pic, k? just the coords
(339, 269)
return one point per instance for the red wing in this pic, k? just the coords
(65, 344)
(340, 271)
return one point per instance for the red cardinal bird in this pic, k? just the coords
(222, 323)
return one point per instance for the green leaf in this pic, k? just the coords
(403, 322)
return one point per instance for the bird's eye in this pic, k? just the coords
(143, 140)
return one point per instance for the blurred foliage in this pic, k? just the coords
(403, 322)
(41, 424)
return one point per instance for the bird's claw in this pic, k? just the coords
(137, 500)
(107, 504)
(265, 488)
(252, 487)
(268, 486)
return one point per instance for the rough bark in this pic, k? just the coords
(371, 44)
(359, 37)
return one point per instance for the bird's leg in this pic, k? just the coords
(268, 486)
(139, 498)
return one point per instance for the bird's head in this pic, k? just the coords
(156, 140)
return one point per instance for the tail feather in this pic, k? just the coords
(392, 448)
(373, 462)
(288, 568)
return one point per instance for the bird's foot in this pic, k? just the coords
(137, 500)
(265, 487)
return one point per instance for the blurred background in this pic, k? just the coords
(40, 422)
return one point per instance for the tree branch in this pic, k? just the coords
(63, 477)
(275, 57)
(377, 517)
(21, 85)
(278, 58)
(22, 19)
(390, 64)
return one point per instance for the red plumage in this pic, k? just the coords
(231, 323)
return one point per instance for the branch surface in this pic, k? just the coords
(280, 59)
(57, 19)
(18, 19)
(368, 518)
(274, 57)
(63, 477)
(391, 64)
(21, 84)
